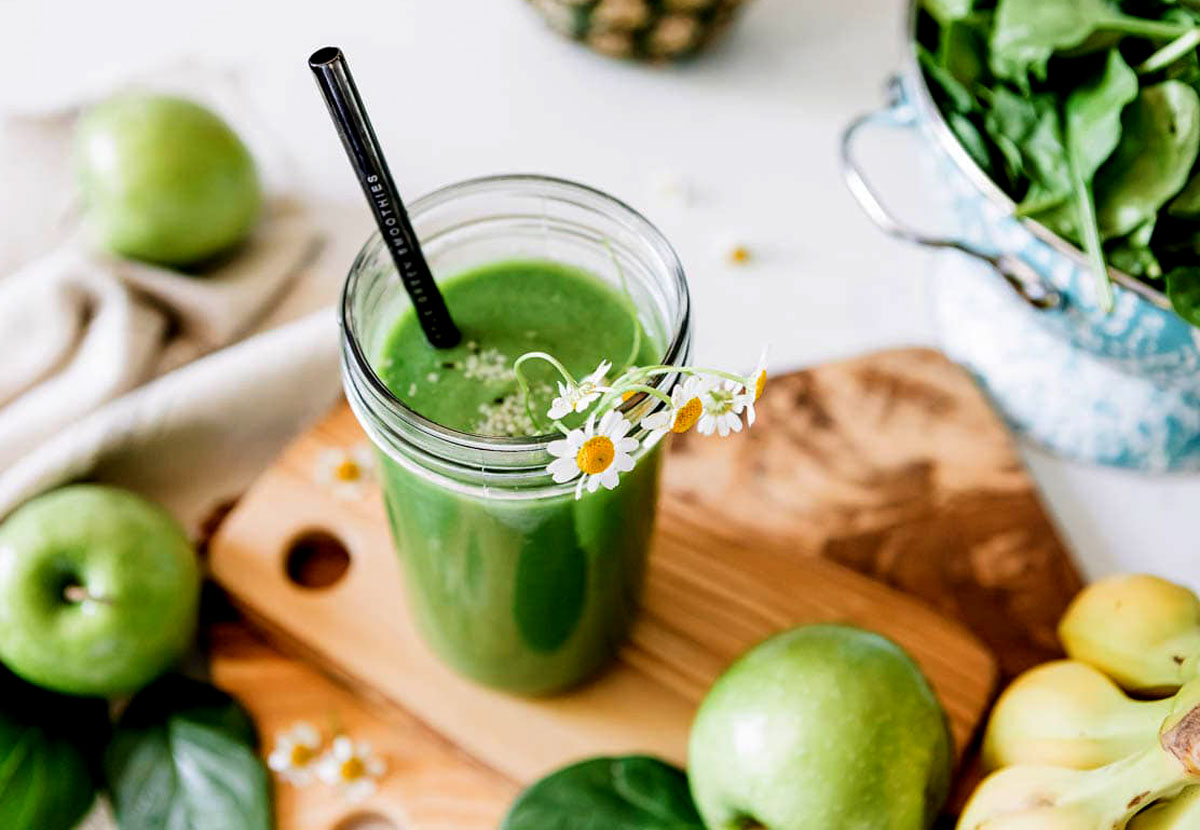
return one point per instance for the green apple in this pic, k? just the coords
(164, 179)
(824, 726)
(99, 591)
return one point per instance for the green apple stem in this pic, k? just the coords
(79, 594)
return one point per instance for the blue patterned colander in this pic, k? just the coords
(1120, 388)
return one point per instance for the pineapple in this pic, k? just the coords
(651, 30)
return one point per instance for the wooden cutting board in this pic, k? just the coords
(871, 463)
(429, 785)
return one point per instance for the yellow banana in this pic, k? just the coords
(1039, 797)
(1068, 714)
(1142, 631)
(1180, 813)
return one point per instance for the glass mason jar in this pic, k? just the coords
(511, 580)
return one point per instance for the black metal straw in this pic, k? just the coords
(358, 136)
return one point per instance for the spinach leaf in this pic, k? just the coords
(961, 52)
(1027, 33)
(1031, 125)
(183, 757)
(1093, 116)
(1183, 289)
(971, 139)
(1187, 203)
(46, 775)
(949, 91)
(947, 11)
(1133, 255)
(1159, 143)
(630, 793)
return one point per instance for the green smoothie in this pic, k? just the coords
(520, 590)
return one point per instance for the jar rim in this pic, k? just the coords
(383, 397)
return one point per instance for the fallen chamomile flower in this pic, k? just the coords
(597, 454)
(353, 768)
(346, 472)
(577, 398)
(684, 412)
(296, 753)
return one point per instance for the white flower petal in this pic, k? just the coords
(626, 445)
(609, 478)
(360, 790)
(307, 734)
(659, 420)
(593, 483)
(343, 748)
(559, 448)
(579, 488)
(622, 463)
(598, 375)
(608, 422)
(620, 428)
(563, 470)
(559, 408)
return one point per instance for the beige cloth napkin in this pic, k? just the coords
(82, 332)
(125, 373)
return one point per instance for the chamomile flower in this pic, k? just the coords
(683, 413)
(296, 753)
(577, 398)
(353, 768)
(597, 454)
(346, 472)
(723, 404)
(755, 385)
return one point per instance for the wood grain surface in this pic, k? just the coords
(891, 465)
(894, 465)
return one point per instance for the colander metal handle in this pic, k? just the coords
(899, 114)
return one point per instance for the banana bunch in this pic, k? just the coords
(1073, 749)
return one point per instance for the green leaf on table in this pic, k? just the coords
(629, 793)
(1027, 33)
(1159, 143)
(47, 746)
(183, 757)
(1183, 289)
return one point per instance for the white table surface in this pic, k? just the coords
(461, 88)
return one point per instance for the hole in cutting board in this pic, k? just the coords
(316, 560)
(367, 821)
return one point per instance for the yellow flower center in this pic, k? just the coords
(760, 383)
(352, 769)
(687, 415)
(596, 455)
(739, 255)
(627, 395)
(347, 470)
(301, 755)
